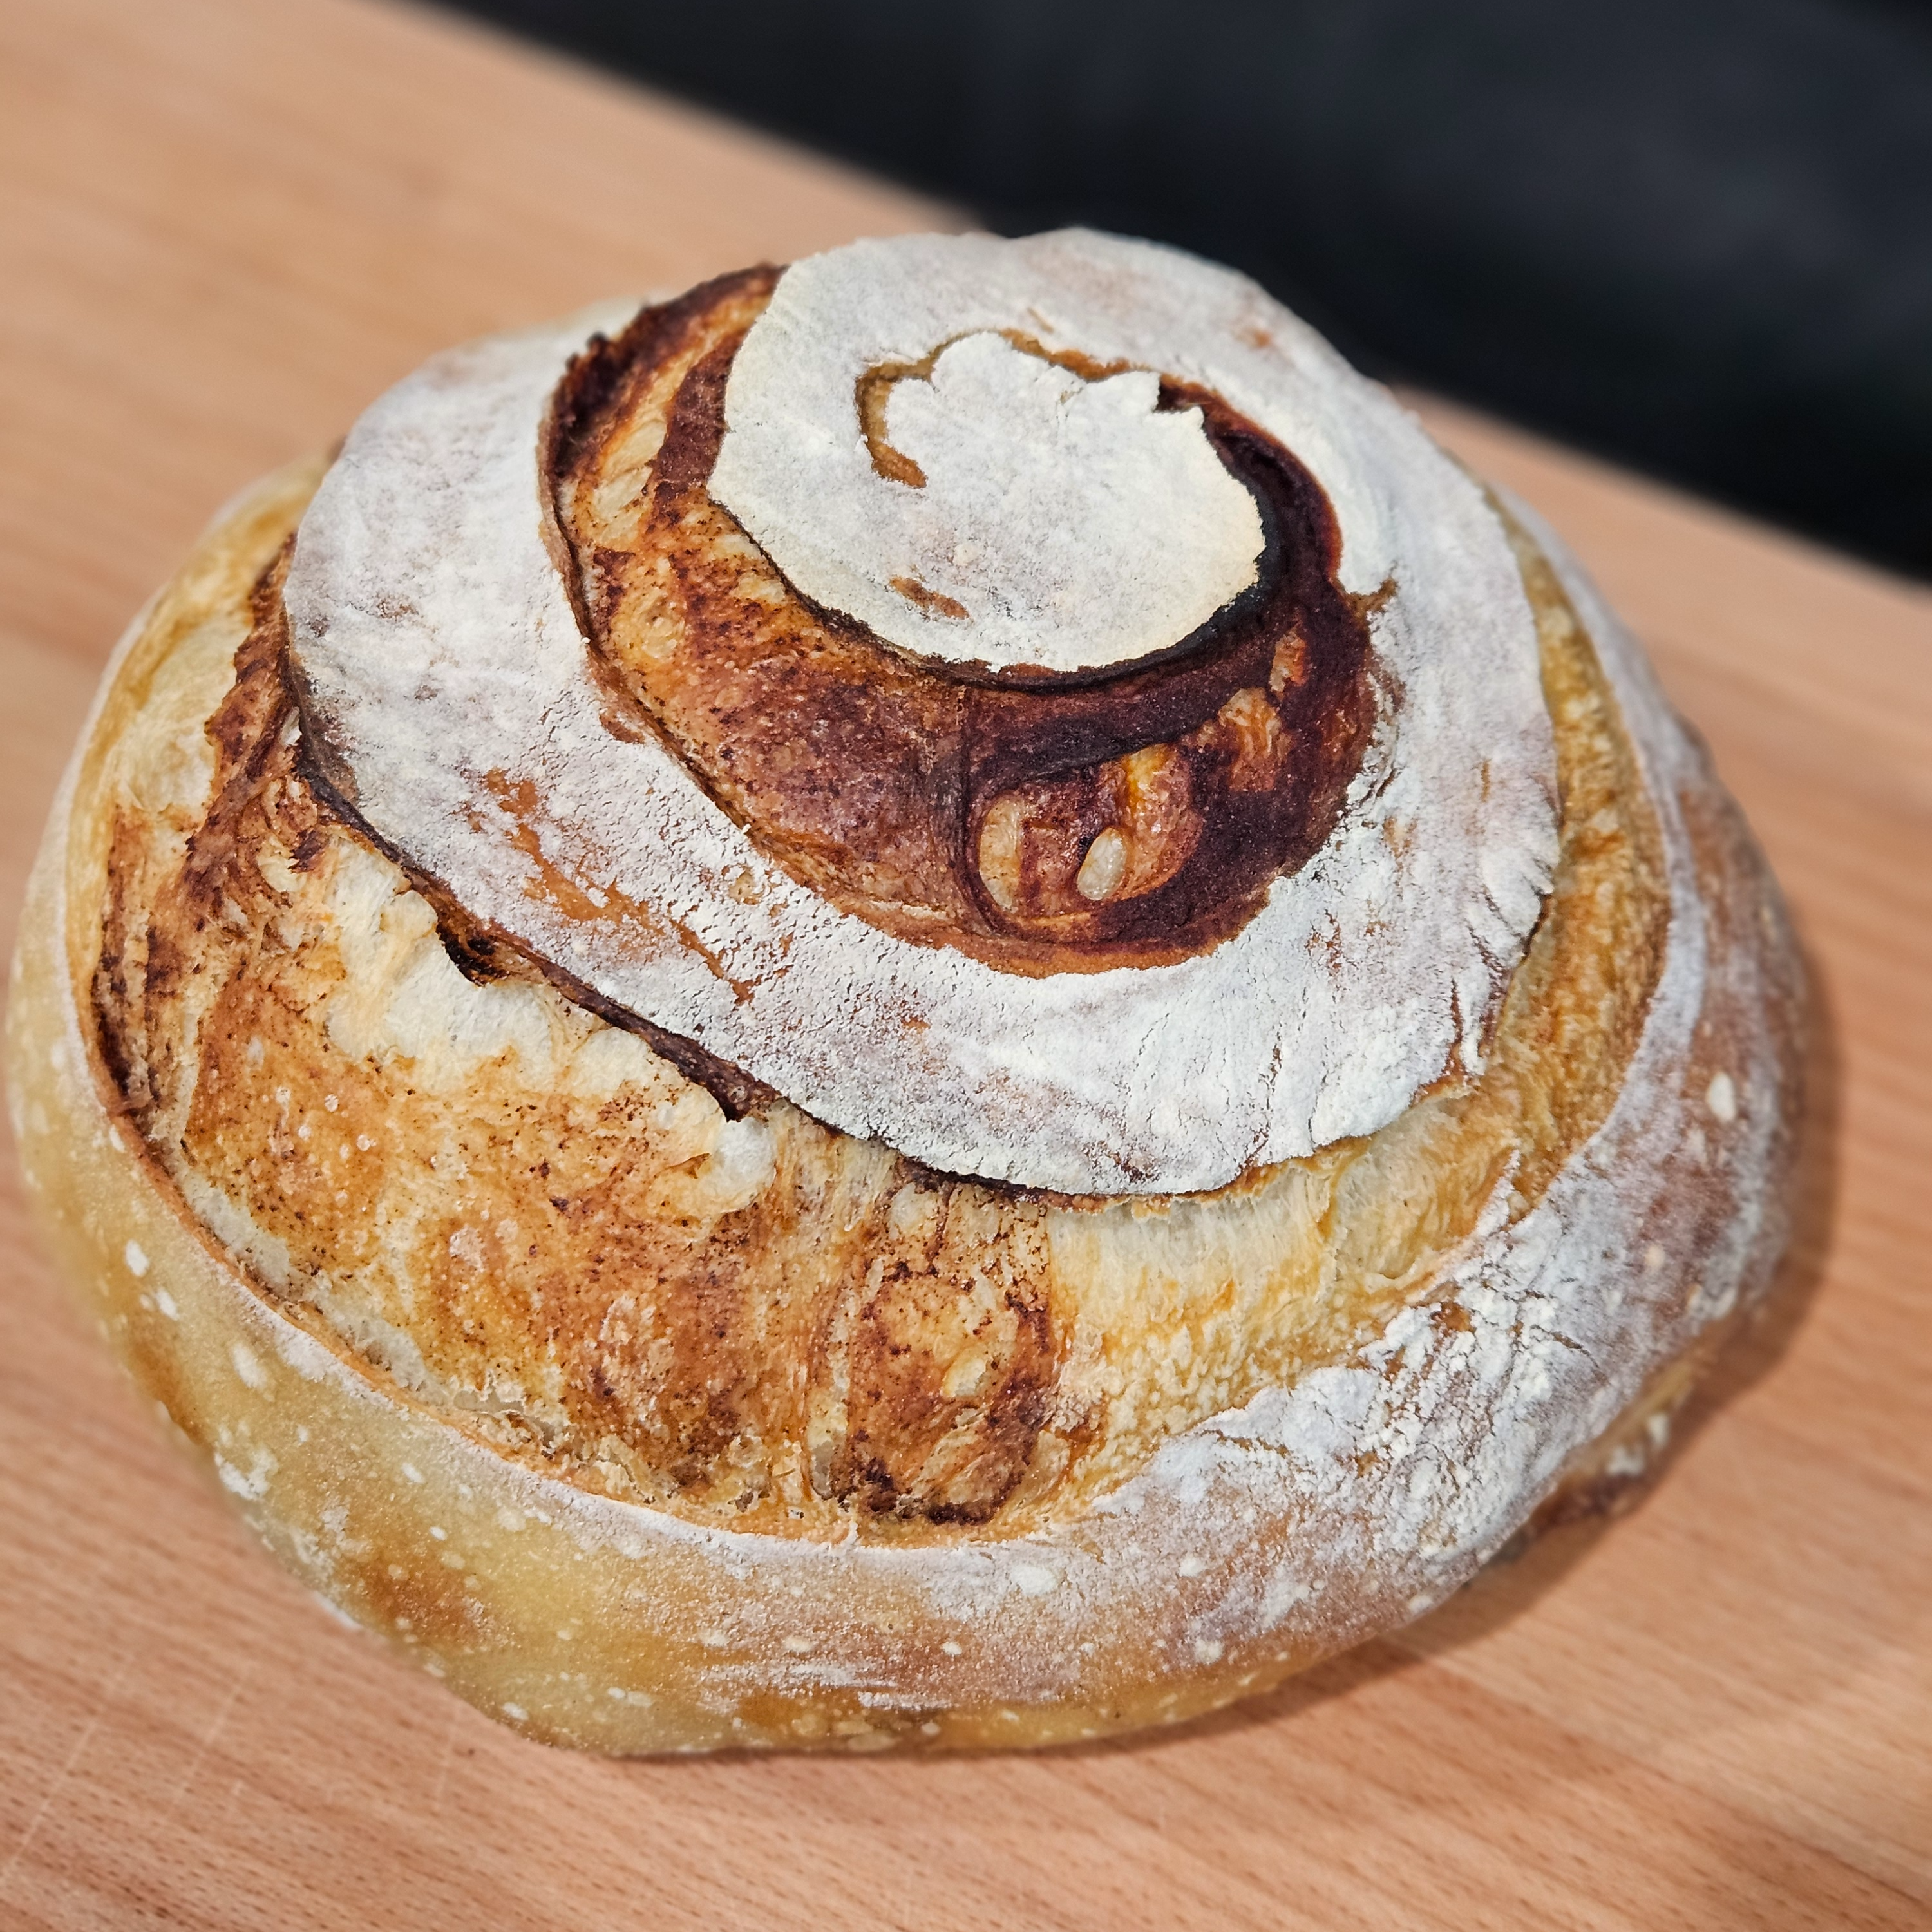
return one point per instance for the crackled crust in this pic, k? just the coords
(891, 1456)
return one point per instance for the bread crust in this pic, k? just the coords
(1246, 736)
(1366, 1481)
(449, 697)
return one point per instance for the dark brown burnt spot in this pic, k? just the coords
(120, 973)
(1043, 823)
(606, 374)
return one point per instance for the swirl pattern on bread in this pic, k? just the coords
(652, 1403)
(450, 697)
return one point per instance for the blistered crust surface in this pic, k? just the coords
(447, 678)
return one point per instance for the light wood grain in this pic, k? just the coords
(223, 227)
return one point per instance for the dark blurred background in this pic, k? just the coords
(1693, 235)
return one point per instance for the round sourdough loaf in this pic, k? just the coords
(931, 999)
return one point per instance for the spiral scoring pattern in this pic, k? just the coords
(1403, 1370)
(1133, 926)
(1043, 822)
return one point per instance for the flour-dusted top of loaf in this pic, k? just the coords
(452, 698)
(1010, 500)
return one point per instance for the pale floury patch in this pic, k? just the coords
(445, 670)
(1018, 514)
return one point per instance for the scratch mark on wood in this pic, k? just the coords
(207, 1743)
(54, 1789)
(449, 1752)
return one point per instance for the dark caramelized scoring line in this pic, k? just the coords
(1044, 823)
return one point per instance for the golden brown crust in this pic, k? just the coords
(640, 1422)
(949, 808)
(580, 1277)
(644, 1327)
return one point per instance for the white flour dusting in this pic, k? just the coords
(1381, 1483)
(444, 664)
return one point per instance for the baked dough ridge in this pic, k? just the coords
(1160, 1570)
(449, 694)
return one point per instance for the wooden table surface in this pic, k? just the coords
(223, 228)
